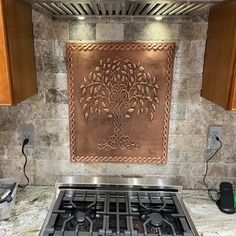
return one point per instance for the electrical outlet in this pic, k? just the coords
(213, 132)
(28, 132)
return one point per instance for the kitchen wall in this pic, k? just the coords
(48, 111)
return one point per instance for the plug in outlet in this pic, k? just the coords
(213, 132)
(28, 132)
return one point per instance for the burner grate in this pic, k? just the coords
(108, 213)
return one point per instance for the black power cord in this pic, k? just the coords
(204, 178)
(25, 142)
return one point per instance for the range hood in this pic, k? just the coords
(123, 8)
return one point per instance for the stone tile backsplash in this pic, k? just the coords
(191, 115)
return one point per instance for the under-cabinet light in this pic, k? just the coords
(80, 17)
(158, 18)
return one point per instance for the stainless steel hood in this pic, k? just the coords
(123, 8)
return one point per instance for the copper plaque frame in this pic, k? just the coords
(119, 101)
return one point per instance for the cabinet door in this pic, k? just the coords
(21, 51)
(5, 84)
(234, 103)
(220, 55)
(233, 89)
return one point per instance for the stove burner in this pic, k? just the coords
(92, 212)
(156, 219)
(80, 216)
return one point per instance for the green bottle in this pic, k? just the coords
(235, 199)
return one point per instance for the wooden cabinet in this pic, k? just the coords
(17, 61)
(219, 77)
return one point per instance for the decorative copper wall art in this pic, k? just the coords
(119, 99)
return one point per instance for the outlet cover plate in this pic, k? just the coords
(28, 132)
(212, 133)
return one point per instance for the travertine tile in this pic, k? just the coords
(186, 31)
(169, 169)
(59, 48)
(82, 31)
(46, 28)
(43, 47)
(60, 30)
(150, 32)
(3, 113)
(182, 65)
(8, 124)
(96, 168)
(219, 170)
(185, 128)
(199, 112)
(232, 171)
(52, 64)
(40, 153)
(57, 126)
(43, 167)
(119, 169)
(193, 30)
(230, 126)
(60, 111)
(214, 182)
(40, 22)
(45, 80)
(14, 169)
(68, 168)
(48, 139)
(194, 156)
(56, 96)
(187, 142)
(192, 169)
(181, 81)
(14, 152)
(2, 152)
(195, 81)
(60, 81)
(196, 65)
(54, 139)
(9, 138)
(45, 179)
(110, 32)
(197, 49)
(177, 111)
(59, 153)
(183, 49)
(186, 96)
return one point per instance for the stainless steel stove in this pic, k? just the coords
(109, 206)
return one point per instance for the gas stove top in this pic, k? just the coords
(109, 206)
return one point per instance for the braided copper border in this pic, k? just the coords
(170, 47)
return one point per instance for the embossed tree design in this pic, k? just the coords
(119, 89)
